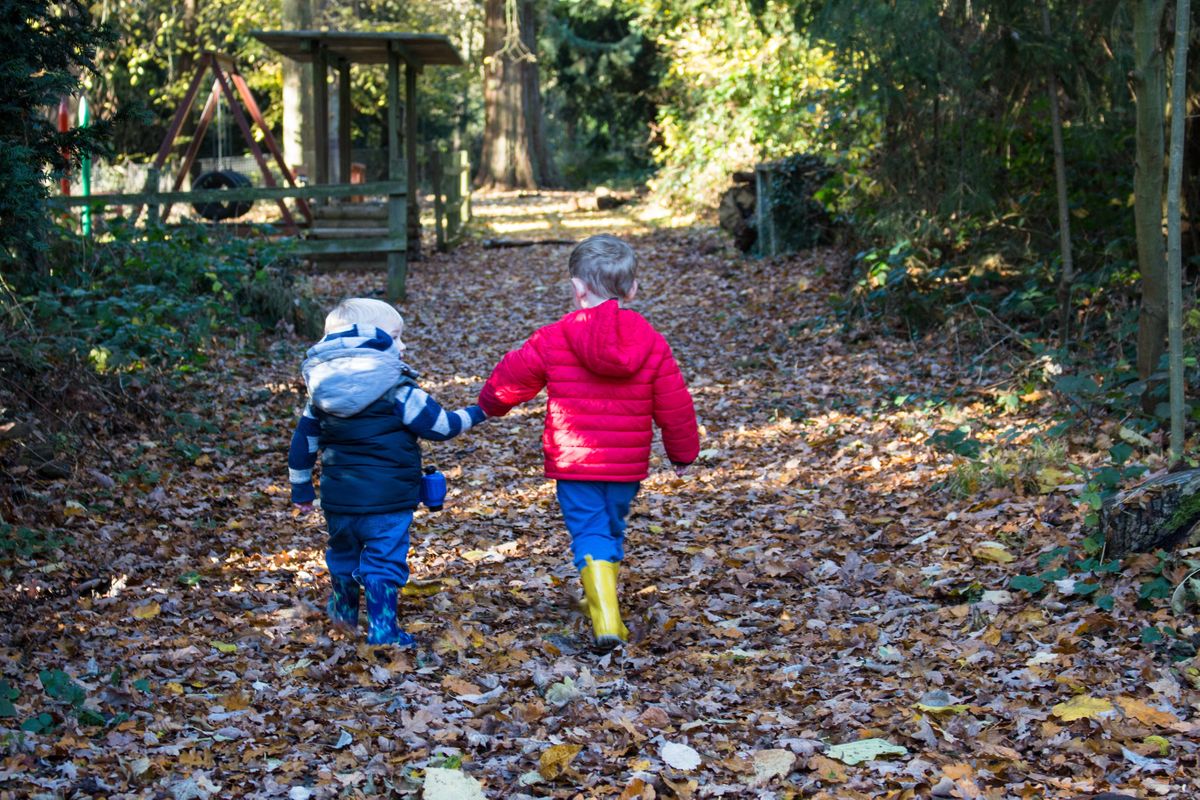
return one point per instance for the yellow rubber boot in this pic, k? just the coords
(599, 580)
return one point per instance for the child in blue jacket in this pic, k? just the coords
(364, 415)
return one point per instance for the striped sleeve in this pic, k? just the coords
(302, 457)
(428, 420)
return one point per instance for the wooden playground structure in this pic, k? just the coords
(323, 50)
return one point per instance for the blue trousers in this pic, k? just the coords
(595, 512)
(369, 547)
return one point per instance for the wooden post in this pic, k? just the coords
(206, 116)
(458, 196)
(320, 67)
(439, 208)
(343, 121)
(410, 158)
(763, 210)
(152, 186)
(397, 206)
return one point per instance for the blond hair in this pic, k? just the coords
(364, 311)
(607, 265)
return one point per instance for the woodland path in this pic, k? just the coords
(807, 583)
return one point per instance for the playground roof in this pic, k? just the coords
(419, 49)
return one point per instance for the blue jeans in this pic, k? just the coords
(595, 512)
(369, 547)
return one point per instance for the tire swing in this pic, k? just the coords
(222, 179)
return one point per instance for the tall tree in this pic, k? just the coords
(1149, 86)
(47, 45)
(514, 144)
(1067, 277)
(1174, 254)
(297, 89)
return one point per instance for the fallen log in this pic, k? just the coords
(1162, 513)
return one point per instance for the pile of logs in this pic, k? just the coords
(737, 211)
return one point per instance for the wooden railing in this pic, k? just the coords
(451, 196)
(394, 242)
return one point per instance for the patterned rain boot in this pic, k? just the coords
(343, 602)
(599, 580)
(381, 613)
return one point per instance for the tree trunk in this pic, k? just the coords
(1149, 82)
(297, 91)
(1066, 278)
(1161, 513)
(514, 147)
(1174, 223)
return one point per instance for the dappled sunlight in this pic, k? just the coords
(599, 222)
(518, 227)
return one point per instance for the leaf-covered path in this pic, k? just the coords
(809, 583)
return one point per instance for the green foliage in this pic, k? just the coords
(7, 695)
(153, 60)
(600, 87)
(59, 686)
(1026, 468)
(46, 46)
(1091, 567)
(23, 542)
(152, 300)
(161, 42)
(738, 90)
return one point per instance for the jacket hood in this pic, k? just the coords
(608, 340)
(351, 368)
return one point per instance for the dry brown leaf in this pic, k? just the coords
(555, 760)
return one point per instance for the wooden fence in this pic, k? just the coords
(393, 242)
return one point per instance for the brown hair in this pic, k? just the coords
(606, 264)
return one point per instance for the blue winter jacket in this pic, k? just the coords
(364, 416)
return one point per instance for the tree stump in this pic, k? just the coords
(1163, 512)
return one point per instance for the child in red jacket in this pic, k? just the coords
(609, 375)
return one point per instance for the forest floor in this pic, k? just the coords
(822, 577)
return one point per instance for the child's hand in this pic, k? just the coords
(681, 469)
(304, 508)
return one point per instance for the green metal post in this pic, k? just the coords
(85, 168)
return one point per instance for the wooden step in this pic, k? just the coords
(349, 211)
(337, 232)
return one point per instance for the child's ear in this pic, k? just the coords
(581, 291)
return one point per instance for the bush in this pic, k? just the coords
(151, 299)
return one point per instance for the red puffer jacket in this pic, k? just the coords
(608, 374)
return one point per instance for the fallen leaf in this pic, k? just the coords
(939, 701)
(864, 750)
(148, 611)
(450, 784)
(1082, 706)
(770, 764)
(992, 551)
(224, 647)
(827, 769)
(1146, 713)
(555, 760)
(680, 756)
(637, 789)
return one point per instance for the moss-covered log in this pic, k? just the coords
(1163, 512)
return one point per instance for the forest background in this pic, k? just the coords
(941, 155)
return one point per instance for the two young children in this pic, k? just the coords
(609, 377)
